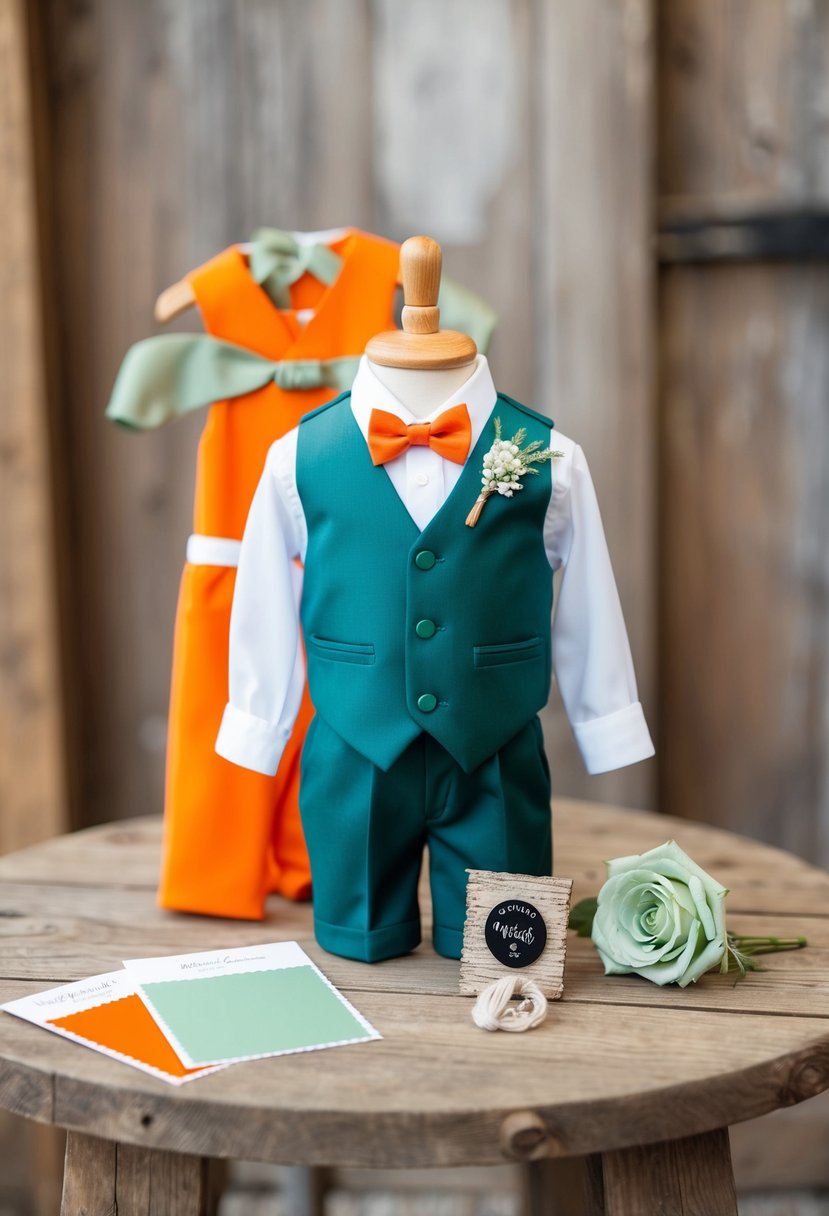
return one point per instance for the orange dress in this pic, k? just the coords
(232, 835)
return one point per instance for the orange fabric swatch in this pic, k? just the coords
(125, 1026)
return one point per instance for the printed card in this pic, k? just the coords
(222, 1006)
(105, 1014)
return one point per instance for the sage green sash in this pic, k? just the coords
(171, 375)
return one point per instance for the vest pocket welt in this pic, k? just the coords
(341, 652)
(502, 653)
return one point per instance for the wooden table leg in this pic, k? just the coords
(101, 1178)
(555, 1187)
(690, 1177)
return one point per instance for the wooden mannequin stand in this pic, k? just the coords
(421, 345)
(421, 365)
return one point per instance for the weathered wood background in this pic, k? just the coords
(547, 145)
(744, 428)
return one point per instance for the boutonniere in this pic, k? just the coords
(505, 464)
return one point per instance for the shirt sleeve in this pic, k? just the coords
(266, 674)
(591, 652)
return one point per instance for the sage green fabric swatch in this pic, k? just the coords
(228, 1017)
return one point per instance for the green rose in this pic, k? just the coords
(659, 915)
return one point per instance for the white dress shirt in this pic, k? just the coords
(590, 649)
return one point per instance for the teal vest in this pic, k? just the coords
(446, 630)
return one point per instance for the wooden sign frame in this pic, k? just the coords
(487, 890)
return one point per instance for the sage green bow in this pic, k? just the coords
(173, 374)
(277, 260)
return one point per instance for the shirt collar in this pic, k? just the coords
(477, 393)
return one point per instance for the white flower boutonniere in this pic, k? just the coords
(505, 464)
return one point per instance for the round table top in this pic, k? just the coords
(619, 1061)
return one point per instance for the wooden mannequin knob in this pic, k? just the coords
(420, 265)
(421, 344)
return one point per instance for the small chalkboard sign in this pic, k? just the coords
(515, 923)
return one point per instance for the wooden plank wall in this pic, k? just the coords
(33, 777)
(744, 464)
(179, 127)
(744, 444)
(34, 764)
(594, 334)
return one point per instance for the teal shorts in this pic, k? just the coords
(366, 830)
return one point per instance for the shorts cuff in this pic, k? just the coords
(448, 942)
(369, 946)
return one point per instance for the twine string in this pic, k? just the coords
(493, 1009)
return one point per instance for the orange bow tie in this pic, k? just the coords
(449, 435)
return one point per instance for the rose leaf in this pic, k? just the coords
(581, 916)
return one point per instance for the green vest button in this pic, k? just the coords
(427, 702)
(425, 559)
(425, 629)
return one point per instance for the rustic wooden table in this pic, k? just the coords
(642, 1082)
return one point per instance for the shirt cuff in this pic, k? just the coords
(614, 740)
(250, 741)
